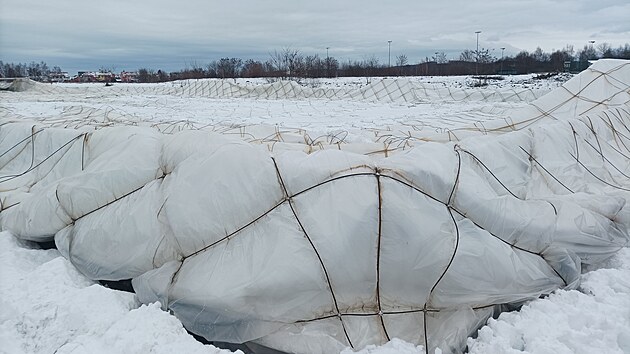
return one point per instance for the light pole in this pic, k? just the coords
(502, 49)
(477, 54)
(389, 53)
(437, 68)
(327, 63)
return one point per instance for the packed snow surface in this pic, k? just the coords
(247, 232)
(593, 319)
(49, 307)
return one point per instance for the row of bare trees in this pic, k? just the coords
(487, 61)
(566, 59)
(289, 63)
(37, 71)
(286, 63)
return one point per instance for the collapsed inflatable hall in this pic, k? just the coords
(316, 251)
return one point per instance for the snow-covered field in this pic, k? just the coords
(48, 306)
(437, 104)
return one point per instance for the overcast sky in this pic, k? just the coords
(168, 35)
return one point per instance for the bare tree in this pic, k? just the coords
(332, 65)
(162, 76)
(371, 65)
(539, 55)
(569, 50)
(440, 58)
(313, 66)
(484, 56)
(468, 55)
(252, 68)
(524, 61)
(229, 67)
(296, 65)
(401, 60)
(587, 53)
(287, 62)
(193, 70)
(623, 52)
(605, 50)
(211, 69)
(146, 75)
(558, 58)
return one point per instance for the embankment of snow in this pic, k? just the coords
(595, 319)
(48, 306)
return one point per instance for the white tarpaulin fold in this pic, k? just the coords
(316, 252)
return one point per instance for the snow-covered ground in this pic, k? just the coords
(356, 118)
(47, 306)
(593, 319)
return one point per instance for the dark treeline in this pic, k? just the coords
(290, 63)
(36, 71)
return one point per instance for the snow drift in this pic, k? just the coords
(316, 252)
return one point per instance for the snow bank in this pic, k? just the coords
(315, 253)
(48, 306)
(595, 319)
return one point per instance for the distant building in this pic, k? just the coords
(105, 77)
(60, 76)
(128, 76)
(576, 66)
(93, 76)
(86, 76)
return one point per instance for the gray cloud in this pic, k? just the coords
(167, 34)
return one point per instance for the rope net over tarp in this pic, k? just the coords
(400, 89)
(299, 102)
(311, 253)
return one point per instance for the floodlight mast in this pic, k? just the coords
(436, 63)
(591, 50)
(477, 54)
(389, 53)
(327, 63)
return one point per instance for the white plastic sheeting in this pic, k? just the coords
(313, 253)
(380, 90)
(393, 114)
